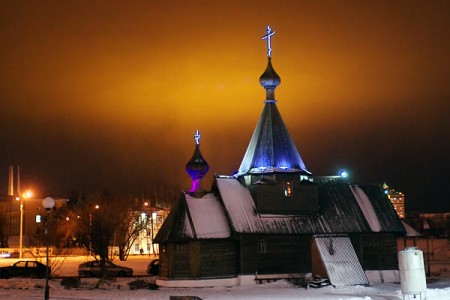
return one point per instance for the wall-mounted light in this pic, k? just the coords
(343, 174)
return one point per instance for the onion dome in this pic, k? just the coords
(270, 80)
(197, 167)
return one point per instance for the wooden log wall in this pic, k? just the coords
(284, 254)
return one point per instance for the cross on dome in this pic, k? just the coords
(197, 137)
(267, 37)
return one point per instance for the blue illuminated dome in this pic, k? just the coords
(197, 167)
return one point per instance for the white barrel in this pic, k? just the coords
(412, 271)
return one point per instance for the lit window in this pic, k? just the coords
(287, 188)
(38, 218)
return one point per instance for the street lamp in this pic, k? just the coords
(48, 204)
(26, 195)
(90, 229)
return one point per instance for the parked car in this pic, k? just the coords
(153, 267)
(24, 268)
(93, 269)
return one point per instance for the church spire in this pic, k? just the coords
(269, 79)
(197, 167)
(271, 148)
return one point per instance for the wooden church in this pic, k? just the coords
(274, 219)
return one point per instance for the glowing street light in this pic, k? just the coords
(26, 195)
(90, 228)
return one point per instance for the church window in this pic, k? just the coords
(287, 188)
(262, 246)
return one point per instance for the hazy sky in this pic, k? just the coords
(108, 94)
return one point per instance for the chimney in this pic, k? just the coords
(11, 181)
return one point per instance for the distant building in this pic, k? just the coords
(397, 200)
(33, 221)
(32, 213)
(274, 219)
(153, 217)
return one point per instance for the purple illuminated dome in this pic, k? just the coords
(197, 167)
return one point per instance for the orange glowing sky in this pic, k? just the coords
(108, 94)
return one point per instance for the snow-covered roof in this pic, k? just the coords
(339, 211)
(206, 218)
(410, 231)
(194, 218)
(230, 208)
(366, 207)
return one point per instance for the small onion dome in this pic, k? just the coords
(270, 80)
(197, 167)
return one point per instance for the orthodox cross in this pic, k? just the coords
(197, 137)
(267, 37)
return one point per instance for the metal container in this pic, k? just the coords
(412, 272)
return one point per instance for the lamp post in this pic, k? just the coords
(25, 195)
(90, 228)
(48, 204)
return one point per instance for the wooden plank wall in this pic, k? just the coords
(177, 261)
(284, 254)
(376, 251)
(163, 261)
(217, 258)
(200, 259)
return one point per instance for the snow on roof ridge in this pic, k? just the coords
(366, 207)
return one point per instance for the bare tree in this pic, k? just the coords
(92, 222)
(131, 224)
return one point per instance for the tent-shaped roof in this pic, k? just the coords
(271, 148)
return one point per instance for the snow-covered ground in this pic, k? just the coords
(118, 289)
(25, 288)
